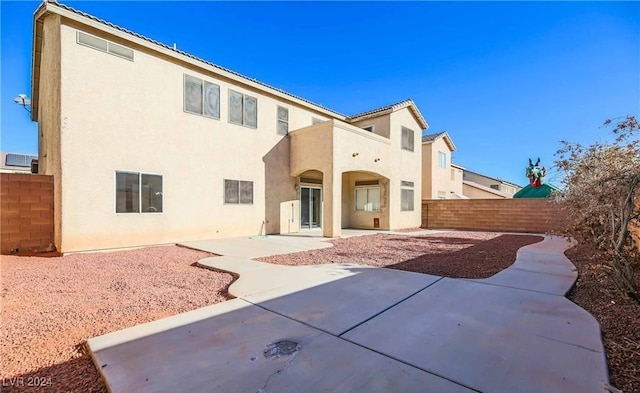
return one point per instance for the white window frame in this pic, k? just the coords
(407, 187)
(442, 159)
(109, 44)
(369, 127)
(367, 188)
(139, 174)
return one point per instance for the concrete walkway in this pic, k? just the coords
(350, 328)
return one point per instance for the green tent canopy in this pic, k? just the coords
(544, 191)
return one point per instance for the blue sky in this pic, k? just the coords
(507, 80)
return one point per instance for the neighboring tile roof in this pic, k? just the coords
(391, 107)
(96, 19)
(408, 103)
(427, 138)
(432, 137)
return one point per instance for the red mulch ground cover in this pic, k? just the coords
(619, 317)
(450, 254)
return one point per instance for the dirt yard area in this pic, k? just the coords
(51, 306)
(619, 317)
(450, 254)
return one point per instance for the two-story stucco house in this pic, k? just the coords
(150, 145)
(441, 178)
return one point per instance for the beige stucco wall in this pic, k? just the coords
(478, 193)
(381, 125)
(361, 155)
(456, 181)
(121, 115)
(406, 166)
(49, 124)
(436, 179)
(100, 113)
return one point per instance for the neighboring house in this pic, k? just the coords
(503, 187)
(441, 179)
(473, 190)
(16, 162)
(149, 145)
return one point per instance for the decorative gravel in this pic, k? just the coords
(619, 317)
(450, 254)
(51, 306)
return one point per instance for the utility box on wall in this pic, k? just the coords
(376, 222)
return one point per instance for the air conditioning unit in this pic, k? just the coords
(34, 166)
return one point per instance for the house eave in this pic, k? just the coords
(181, 57)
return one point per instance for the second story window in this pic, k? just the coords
(407, 138)
(201, 97)
(442, 160)
(243, 109)
(283, 121)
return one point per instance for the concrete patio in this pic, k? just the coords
(350, 328)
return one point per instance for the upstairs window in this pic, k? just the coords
(138, 193)
(104, 45)
(201, 97)
(442, 160)
(243, 109)
(283, 121)
(370, 128)
(407, 138)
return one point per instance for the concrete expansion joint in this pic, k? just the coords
(388, 308)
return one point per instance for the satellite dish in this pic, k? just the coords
(22, 99)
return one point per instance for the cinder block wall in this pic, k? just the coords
(502, 215)
(26, 215)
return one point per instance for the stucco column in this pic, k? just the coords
(332, 204)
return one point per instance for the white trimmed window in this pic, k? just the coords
(407, 138)
(243, 109)
(370, 128)
(201, 97)
(367, 195)
(104, 45)
(238, 192)
(442, 160)
(406, 196)
(283, 121)
(138, 192)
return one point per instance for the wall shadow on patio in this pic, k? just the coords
(482, 259)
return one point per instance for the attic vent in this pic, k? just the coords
(21, 160)
(367, 183)
(104, 45)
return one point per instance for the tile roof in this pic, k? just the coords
(391, 107)
(432, 137)
(408, 103)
